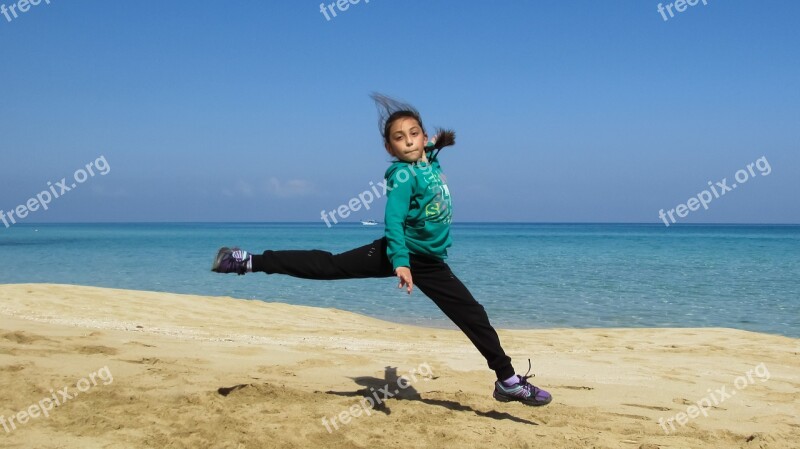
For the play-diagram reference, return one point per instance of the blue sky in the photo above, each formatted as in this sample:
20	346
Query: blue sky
580	111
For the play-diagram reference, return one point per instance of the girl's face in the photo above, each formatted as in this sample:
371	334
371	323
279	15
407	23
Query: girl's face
406	140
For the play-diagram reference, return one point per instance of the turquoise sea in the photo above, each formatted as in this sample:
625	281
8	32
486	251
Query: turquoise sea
526	275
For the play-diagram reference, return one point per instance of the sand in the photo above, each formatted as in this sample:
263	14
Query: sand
179	371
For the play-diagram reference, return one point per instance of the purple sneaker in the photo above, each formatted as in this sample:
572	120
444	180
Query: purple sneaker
522	391
231	260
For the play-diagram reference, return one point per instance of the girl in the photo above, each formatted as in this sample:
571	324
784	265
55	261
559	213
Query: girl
417	235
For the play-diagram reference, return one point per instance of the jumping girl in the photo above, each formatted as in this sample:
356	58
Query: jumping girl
414	247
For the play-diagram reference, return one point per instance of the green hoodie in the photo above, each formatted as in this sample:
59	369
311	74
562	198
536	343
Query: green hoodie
418	212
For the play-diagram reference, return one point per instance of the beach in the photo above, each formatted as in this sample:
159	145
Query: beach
137	369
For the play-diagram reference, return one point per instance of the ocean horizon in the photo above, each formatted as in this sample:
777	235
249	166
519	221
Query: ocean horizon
527	275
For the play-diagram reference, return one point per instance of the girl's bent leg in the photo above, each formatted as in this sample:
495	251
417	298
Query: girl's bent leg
365	262
435	279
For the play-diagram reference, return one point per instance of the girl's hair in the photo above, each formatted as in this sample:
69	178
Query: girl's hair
390	110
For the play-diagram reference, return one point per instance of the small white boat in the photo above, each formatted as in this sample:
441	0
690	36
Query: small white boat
369	223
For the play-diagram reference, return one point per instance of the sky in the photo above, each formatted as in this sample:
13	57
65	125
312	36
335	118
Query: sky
579	111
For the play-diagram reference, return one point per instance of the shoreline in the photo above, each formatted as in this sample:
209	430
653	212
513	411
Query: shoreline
435	324
192	370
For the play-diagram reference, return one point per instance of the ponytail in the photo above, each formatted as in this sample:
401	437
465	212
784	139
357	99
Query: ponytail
443	138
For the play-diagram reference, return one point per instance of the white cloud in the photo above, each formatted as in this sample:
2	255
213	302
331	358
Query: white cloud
240	189
273	188
290	188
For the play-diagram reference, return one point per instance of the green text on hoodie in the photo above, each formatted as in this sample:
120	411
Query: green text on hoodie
418	211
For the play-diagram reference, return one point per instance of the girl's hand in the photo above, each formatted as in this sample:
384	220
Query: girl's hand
404	273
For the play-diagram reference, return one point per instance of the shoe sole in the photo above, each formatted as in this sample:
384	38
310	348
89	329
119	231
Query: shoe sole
217	260
503	398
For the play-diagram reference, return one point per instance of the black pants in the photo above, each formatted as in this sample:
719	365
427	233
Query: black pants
432	276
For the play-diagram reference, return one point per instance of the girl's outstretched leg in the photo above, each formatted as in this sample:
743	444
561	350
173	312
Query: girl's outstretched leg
437	281
368	261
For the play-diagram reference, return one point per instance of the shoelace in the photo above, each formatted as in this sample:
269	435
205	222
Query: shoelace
524	380
238	255
239	261
527	376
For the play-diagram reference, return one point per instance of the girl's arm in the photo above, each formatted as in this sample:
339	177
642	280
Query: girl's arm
398	202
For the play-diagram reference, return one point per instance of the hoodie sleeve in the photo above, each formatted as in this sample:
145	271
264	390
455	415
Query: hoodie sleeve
398	202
